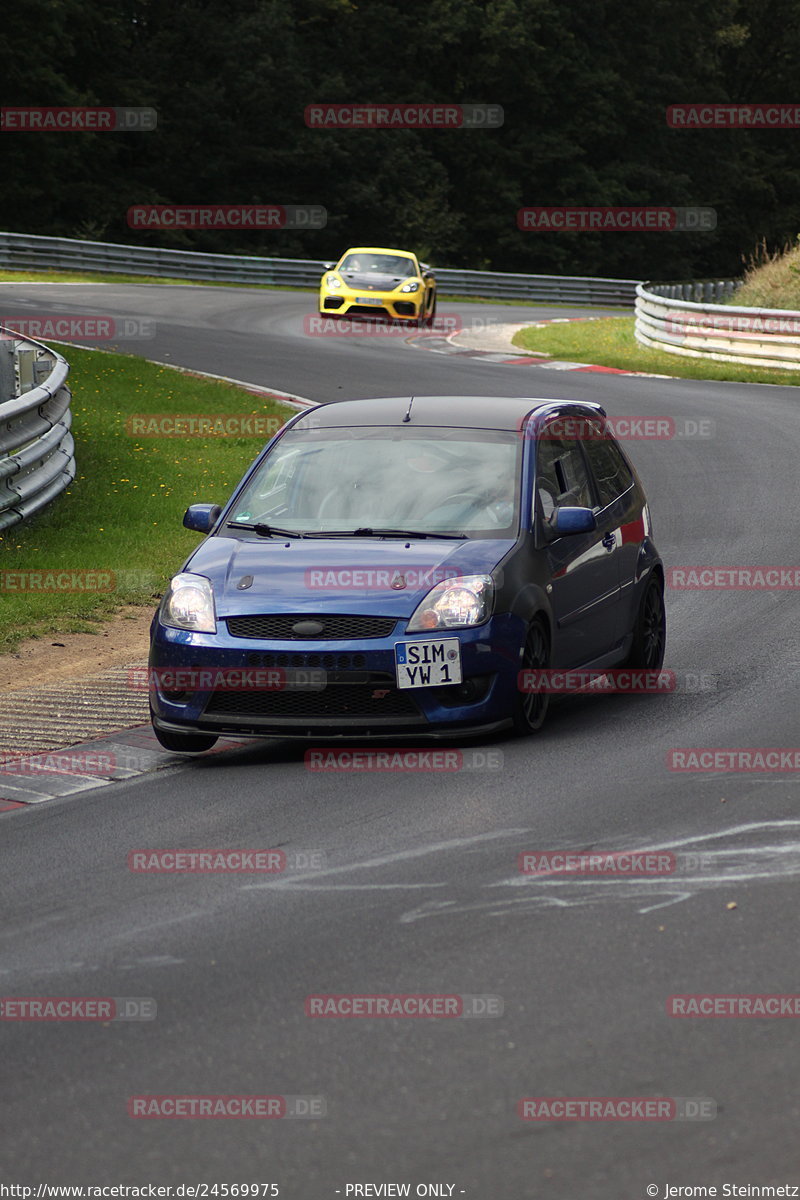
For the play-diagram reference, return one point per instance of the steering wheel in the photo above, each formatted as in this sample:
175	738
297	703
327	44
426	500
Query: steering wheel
325	501
475	501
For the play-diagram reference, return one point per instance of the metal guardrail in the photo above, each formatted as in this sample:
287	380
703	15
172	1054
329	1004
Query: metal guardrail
21	250
666	319
37	453
696	291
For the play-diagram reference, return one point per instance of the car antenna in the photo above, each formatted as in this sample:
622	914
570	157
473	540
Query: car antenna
407	417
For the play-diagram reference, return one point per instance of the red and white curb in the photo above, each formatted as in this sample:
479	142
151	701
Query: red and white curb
444	344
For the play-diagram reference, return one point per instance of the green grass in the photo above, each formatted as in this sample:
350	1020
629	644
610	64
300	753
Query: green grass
771	281
609	342
23	276
523	303
122	515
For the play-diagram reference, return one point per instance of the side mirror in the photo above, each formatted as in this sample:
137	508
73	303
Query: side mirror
201	517
564	521
329	266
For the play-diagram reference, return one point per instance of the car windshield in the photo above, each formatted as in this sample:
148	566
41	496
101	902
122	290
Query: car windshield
447	481
379	264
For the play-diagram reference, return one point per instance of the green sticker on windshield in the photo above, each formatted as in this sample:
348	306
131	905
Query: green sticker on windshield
245	515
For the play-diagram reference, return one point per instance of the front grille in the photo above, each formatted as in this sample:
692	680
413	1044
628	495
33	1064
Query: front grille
368	310
278	628
327	662
337	700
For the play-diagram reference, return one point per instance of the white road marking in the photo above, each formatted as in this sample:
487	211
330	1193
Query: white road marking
386	859
748	864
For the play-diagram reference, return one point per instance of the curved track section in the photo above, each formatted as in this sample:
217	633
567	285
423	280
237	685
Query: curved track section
419	891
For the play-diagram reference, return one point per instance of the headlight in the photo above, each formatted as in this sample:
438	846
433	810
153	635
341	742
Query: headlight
333	282
189	604
455	604
410	287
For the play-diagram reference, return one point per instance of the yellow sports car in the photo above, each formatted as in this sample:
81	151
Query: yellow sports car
375	282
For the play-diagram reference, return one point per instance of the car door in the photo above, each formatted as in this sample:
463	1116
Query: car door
583	568
619	508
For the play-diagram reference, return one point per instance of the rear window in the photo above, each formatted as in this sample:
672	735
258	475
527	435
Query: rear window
611	473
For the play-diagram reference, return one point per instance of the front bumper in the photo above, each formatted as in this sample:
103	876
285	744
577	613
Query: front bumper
359	698
344	302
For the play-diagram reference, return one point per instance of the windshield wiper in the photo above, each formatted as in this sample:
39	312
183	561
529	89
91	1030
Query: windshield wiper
267	530
275	531
405	533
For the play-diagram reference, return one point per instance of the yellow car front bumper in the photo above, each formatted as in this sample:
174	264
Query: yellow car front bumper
396	305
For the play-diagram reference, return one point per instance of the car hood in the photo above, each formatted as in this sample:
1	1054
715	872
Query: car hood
352	575
371	281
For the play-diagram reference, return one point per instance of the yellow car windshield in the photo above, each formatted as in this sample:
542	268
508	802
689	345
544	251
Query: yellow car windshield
378	264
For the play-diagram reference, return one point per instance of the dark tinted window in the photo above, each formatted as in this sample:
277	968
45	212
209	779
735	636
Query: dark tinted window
611	472
561	474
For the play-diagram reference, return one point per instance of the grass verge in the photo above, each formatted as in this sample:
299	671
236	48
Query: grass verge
120	521
771	280
609	342
9	276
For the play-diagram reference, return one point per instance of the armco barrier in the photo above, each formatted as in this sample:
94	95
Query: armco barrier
678	318
37	453
21	250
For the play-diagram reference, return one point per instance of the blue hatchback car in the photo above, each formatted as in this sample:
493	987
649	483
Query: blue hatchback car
389	567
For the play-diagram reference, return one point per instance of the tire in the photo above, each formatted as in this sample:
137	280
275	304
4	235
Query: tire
530	708
432	313
185	743
650	630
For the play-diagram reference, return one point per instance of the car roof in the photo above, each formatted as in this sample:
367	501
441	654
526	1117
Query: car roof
377	250
469	412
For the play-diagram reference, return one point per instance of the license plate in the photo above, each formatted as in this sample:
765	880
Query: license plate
369	300
312	680
429	662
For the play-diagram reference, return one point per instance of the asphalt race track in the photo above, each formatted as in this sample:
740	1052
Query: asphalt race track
420	891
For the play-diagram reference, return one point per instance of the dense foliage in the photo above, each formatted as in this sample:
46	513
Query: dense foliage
585	85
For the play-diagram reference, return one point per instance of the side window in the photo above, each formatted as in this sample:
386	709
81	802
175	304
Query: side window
611	472
561	478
